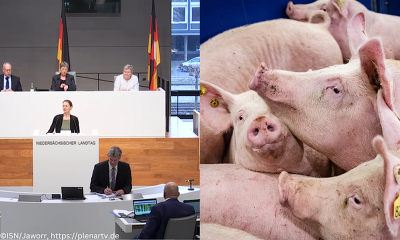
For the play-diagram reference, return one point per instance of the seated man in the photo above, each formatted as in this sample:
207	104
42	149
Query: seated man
126	81
163	211
8	82
112	175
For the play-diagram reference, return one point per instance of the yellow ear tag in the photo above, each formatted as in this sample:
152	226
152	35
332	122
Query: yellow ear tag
397	208
396	173
340	3
203	90
214	103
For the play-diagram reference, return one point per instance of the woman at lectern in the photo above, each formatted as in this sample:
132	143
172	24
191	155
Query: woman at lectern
65	121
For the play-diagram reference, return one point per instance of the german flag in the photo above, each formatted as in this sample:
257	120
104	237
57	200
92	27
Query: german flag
154	51
63	48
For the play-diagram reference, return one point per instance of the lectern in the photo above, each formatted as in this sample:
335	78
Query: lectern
63	160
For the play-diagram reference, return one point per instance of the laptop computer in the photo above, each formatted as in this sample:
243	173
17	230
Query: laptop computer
196	205
72	193
142	209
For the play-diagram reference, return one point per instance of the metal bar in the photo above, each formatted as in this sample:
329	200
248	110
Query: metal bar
98	82
168	102
374	6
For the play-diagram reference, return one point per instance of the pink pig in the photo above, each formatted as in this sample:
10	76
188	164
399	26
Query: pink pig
335	108
356	205
238	198
260	141
212	231
340	13
228	61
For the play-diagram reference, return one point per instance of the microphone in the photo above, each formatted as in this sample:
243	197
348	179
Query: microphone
136	84
190	181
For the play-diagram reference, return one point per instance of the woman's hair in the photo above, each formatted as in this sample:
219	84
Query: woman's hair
64	64
128	66
69	102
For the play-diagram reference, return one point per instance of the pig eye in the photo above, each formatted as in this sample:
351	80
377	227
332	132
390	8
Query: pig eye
356	201
324	9
336	90
240	118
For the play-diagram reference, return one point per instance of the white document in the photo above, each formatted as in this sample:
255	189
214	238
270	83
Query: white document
125	213
102	195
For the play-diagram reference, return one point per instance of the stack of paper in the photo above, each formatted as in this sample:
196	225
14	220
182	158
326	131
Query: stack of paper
117	213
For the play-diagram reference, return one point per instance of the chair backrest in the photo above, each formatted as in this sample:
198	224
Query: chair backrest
180	228
70	73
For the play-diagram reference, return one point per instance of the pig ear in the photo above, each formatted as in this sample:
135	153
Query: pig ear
390	123
320	17
392	188
342	6
214	106
372	61
356	33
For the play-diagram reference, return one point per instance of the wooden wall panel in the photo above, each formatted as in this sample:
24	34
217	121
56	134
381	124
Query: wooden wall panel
157	160
152	160
16	162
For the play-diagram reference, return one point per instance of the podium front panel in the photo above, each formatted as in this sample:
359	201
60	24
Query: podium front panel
63	161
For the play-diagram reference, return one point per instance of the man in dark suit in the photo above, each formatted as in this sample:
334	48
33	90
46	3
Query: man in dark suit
163	211
112	175
8	82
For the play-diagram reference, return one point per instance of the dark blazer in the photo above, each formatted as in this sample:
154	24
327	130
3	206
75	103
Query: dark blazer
56	82
101	177
159	216
57	123
15	83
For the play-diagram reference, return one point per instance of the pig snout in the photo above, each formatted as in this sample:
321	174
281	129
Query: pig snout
296	196
290	9
297	12
263	131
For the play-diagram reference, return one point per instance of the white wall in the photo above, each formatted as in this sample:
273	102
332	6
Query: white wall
113	114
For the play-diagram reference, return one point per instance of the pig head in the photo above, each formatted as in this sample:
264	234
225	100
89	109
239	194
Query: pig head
260	141
340	12
333	110
356	205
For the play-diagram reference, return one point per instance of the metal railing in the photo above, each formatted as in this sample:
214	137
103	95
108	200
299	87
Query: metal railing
166	85
162	83
98	79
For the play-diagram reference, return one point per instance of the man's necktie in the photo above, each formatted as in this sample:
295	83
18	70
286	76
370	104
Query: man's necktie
7	83
113	179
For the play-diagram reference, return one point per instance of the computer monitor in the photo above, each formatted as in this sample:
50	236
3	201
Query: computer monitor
143	207
195	203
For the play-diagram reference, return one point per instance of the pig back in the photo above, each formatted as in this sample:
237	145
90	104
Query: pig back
239	198
230	59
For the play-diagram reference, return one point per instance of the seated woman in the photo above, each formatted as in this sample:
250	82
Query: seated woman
65	121
63	81
126	81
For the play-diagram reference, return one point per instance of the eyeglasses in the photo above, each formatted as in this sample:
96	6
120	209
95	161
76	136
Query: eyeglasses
7	70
